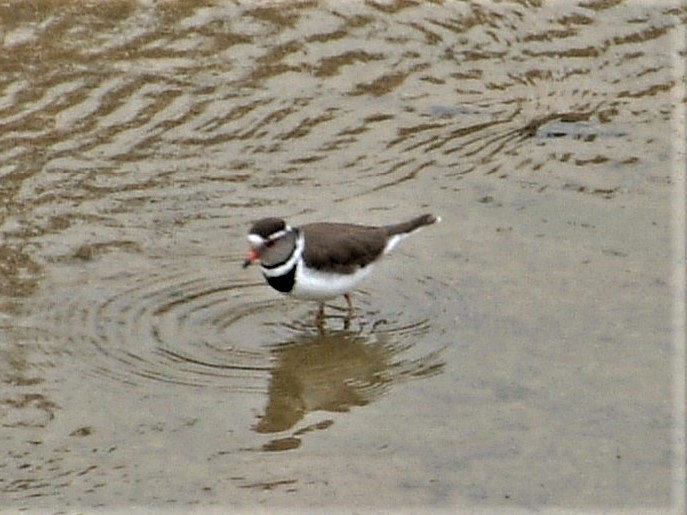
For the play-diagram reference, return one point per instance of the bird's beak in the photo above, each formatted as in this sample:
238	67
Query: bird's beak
253	255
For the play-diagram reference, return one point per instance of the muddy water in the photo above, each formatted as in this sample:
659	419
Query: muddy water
518	355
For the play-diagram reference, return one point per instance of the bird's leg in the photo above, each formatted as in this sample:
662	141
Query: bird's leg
351	310
349	301
319	317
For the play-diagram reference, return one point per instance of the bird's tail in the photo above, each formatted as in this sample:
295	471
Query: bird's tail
411	225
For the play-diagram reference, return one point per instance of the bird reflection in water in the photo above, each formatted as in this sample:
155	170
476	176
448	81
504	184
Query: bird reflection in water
332	372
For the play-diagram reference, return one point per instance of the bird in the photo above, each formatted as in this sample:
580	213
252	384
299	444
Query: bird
321	261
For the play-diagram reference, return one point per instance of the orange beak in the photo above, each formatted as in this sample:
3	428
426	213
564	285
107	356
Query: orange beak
253	255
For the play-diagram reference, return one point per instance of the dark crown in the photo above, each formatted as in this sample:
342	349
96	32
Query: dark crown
267	226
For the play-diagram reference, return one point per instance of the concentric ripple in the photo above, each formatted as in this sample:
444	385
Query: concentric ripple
192	326
170	326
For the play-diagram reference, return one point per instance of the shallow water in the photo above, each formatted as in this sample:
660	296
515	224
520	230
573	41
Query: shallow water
517	355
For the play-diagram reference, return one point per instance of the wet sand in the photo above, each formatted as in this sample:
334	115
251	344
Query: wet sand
521	355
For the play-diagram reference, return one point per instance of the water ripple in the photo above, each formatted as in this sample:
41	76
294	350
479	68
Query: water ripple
165	326
174	325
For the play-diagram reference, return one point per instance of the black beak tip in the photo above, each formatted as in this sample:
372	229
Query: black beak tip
246	263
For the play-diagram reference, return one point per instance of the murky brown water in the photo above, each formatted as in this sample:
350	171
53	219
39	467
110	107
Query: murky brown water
518	355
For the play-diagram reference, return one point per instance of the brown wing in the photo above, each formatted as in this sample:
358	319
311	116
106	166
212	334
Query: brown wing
342	248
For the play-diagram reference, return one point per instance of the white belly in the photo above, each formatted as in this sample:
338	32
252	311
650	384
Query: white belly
315	285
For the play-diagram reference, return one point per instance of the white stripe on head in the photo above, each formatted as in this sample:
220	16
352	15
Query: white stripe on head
255	240
280	234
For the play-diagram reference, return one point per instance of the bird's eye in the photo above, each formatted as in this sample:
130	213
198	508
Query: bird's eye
269	243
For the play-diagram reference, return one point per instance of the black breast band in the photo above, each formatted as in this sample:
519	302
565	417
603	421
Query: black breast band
283	283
